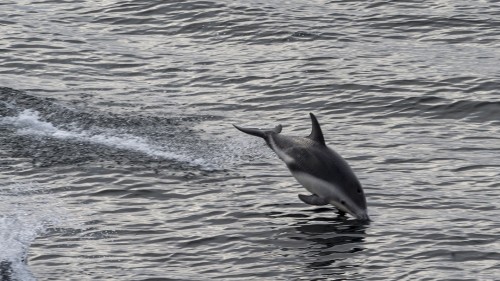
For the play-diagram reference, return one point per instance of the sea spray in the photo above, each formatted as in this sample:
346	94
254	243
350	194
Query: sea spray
29	122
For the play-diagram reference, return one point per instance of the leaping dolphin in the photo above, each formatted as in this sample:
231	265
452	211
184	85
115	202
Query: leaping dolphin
322	171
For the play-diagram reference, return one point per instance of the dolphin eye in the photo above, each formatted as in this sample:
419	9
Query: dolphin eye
342	202
359	190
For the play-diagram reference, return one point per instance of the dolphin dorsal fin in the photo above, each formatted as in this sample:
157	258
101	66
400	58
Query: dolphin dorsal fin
316	133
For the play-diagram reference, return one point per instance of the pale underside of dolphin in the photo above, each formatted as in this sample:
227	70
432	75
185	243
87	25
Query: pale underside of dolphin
323	172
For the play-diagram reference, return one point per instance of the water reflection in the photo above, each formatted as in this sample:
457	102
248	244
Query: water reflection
328	241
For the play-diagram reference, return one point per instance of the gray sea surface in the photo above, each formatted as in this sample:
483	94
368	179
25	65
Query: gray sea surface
118	159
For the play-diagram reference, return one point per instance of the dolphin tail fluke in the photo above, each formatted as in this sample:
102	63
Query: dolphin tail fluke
258	132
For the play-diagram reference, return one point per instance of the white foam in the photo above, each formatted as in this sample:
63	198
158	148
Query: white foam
25	213
29	122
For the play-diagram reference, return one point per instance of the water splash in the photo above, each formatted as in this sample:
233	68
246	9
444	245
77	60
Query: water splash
26	213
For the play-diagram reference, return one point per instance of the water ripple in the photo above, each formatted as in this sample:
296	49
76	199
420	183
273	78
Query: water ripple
122	111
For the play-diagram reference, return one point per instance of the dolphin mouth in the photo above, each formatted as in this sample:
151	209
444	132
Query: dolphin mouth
360	214
363	216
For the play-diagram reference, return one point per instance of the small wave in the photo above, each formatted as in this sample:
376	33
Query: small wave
479	111
441	108
28	122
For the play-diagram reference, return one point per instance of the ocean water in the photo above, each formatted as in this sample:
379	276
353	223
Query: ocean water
118	159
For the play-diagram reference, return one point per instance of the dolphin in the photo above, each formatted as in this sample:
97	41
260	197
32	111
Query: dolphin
322	171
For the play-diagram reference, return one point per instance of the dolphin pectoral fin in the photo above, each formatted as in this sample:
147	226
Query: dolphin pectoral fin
313	200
